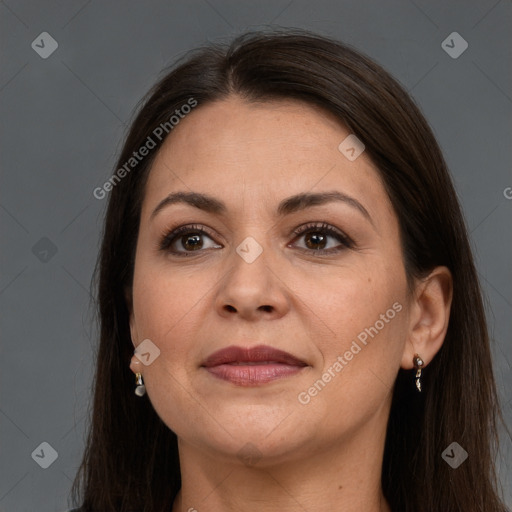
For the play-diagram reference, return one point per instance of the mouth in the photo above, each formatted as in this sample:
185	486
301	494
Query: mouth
252	366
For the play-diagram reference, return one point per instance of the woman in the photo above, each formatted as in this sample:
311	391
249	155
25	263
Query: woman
286	272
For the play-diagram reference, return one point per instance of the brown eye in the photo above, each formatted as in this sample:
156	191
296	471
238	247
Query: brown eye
315	240
191	242
187	239
322	239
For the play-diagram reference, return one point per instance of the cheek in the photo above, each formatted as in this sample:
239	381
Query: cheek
353	298
165	311
364	313
164	296
164	305
355	379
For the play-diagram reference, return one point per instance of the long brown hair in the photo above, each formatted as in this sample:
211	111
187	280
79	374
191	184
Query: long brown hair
131	459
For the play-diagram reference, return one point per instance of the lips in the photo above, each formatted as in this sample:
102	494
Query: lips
252	366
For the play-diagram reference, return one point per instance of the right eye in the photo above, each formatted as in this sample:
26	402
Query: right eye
187	239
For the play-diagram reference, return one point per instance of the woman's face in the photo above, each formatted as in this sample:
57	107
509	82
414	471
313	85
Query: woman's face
268	259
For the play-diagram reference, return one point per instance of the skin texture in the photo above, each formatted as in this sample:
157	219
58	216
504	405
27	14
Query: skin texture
325	454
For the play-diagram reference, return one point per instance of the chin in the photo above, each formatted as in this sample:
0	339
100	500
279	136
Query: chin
267	442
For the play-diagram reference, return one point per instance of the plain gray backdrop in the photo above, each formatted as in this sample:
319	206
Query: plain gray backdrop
63	118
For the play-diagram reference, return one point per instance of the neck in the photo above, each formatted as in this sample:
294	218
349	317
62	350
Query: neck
344	476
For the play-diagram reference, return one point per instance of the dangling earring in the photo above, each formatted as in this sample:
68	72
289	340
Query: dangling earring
140	389
418	364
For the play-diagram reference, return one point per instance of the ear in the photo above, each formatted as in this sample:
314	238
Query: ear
429	316
135	365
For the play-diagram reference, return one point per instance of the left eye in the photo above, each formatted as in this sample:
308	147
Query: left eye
322	239
188	239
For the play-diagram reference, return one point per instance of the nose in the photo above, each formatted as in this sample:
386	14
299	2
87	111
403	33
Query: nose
252	290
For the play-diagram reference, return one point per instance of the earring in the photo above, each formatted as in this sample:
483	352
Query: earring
140	389
418	364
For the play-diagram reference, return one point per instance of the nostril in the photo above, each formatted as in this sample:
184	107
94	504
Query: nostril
266	308
230	308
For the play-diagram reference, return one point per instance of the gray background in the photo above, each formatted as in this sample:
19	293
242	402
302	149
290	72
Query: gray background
63	119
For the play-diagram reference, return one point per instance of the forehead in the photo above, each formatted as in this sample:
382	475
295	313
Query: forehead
266	149
246	129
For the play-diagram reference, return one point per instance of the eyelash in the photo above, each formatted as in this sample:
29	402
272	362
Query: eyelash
324	228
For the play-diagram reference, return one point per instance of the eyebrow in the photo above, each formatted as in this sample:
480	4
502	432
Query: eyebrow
201	201
286	207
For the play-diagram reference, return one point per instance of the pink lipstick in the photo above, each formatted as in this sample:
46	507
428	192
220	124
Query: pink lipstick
252	366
